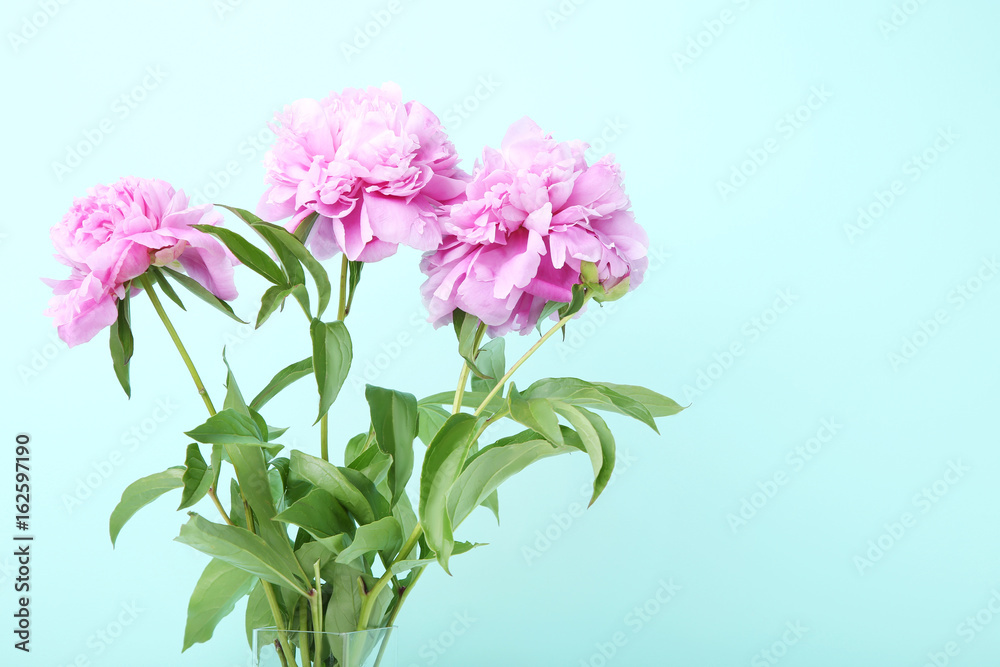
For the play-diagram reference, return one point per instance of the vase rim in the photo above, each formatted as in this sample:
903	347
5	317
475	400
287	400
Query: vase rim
273	628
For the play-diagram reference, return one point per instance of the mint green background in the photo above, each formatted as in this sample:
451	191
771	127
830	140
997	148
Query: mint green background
723	263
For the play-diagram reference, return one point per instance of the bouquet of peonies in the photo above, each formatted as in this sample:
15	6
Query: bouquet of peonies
534	234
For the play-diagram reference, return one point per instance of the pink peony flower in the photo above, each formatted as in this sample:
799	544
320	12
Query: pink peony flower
534	211
115	234
376	171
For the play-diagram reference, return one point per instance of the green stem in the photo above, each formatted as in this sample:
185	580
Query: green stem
279	622
304	634
517	364
324	438
317	612
324	424
218	506
404	552
342	309
463	378
148	286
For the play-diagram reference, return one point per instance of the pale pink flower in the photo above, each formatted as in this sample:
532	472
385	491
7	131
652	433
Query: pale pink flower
534	211
376	172
114	235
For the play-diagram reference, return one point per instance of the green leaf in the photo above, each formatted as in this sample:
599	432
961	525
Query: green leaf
399	567
234	397
215	596
355	446
469	330
492	363
282	379
374	464
590	394
166	287
196	478
443	462
228	427
332	356
291	251
353	279
580	296
302	231
657	404
352	489
277	487
310	552
122	344
196	288
430	419
216	465
384	535
596	440
258	613
242	549
272	299
142	492
537	414
255	487
319	513
301	295
248	254
394	418
550	307
344	607
490	467
237	513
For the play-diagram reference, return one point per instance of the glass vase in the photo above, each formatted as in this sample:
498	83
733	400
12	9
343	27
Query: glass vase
367	648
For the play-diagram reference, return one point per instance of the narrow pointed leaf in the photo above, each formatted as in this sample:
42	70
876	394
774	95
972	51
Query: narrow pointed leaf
469	333
122	345
248	254
353	279
319	513
282	379
394	418
272	299
490	467
442	464
215	596
241	549
536	414
142	492
384	535
657	404
597	440
492	363
196	477
351	488
430	419
199	291
332	356
288	247
593	395
228	427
